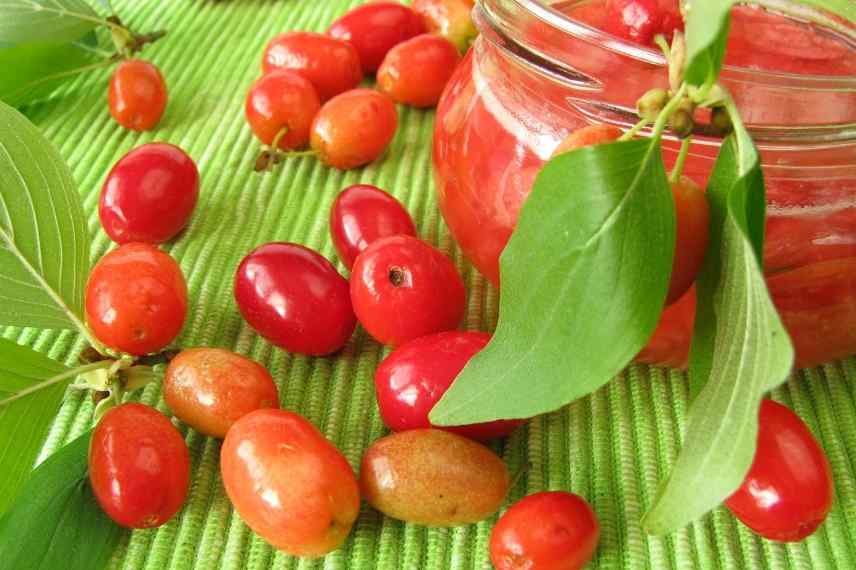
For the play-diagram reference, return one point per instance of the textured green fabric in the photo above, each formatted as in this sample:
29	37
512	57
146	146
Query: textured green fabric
611	448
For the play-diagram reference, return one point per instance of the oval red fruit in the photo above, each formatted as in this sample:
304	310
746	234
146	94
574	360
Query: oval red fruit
402	288
415	72
416	375
139	466
149	194
137	95
282	103
363	214
295	298
136	299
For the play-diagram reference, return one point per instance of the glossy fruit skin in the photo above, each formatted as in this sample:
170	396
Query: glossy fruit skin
282	99
375	28
136	299
149	194
641	20
433	477
137	95
210	389
788	491
692	215
588	136
139	466
295	298
551	530
448	18
361	215
415	72
402	289
330	64
354	128
289	483
416	375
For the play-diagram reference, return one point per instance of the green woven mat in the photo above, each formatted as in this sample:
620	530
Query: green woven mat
611	448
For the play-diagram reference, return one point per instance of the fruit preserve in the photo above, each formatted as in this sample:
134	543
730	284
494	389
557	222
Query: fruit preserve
541	70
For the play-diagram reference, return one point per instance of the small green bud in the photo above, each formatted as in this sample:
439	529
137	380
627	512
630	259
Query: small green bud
681	122
652	103
720	121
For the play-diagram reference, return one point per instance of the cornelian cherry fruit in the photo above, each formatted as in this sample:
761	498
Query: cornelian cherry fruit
137	95
416	71
136	299
691	235
551	530
375	28
295	298
402	288
361	215
288	483
354	128
210	389
149	194
588	136
416	375
641	20
280	107
331	65
788	491
139	466
448	18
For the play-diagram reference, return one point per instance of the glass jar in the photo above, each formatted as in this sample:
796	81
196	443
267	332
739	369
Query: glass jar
536	74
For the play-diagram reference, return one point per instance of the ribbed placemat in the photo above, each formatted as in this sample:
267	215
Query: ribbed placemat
611	448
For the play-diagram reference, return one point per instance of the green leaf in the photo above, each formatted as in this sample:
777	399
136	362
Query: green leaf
707	26
35	70
740	348
584	278
708	21
56	521
24	423
44	243
24	21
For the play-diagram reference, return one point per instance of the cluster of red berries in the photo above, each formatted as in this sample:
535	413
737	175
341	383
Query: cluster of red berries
287	481
309	94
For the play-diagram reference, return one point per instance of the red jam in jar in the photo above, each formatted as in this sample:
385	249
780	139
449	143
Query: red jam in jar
541	70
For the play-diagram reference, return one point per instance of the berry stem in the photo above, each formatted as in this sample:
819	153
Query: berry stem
58	378
668	111
678	169
634	130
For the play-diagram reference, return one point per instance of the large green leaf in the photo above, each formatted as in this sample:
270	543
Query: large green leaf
584	278
740	348
25	21
56	521
24	423
34	70
44	244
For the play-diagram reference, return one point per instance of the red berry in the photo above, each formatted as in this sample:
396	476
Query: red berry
691	234
416	375
588	136
137	95
289	483
788	491
415	72
149	194
330	64
354	128
376	28
363	214
402	288
551	530
635	20
139	466
210	389
295	298
136	299
448	18
282	100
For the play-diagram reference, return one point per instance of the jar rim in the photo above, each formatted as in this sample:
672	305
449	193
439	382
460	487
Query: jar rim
546	13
